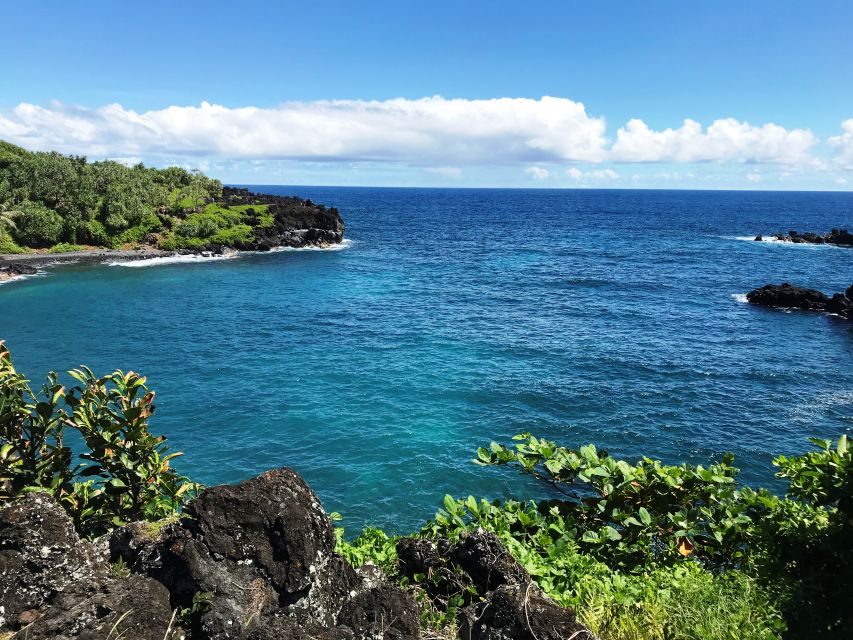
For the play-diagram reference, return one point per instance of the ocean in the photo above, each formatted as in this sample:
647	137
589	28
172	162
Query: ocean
454	317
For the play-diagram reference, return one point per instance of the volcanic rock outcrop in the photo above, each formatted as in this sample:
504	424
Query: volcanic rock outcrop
254	560
788	296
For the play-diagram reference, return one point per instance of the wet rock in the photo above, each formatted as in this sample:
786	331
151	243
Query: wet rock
838	237
788	296
14	269
519	612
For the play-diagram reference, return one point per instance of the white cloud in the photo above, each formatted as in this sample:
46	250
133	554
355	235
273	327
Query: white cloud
843	145
596	174
841	181
429	131
753	176
447	172
726	140
537	173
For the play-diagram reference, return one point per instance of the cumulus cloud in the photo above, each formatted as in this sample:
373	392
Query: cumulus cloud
843	145
595	174
537	173
726	140
428	131
440	135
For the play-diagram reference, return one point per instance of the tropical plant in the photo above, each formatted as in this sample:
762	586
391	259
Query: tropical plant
127	473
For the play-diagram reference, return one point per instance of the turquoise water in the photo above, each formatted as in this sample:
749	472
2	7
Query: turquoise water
456	317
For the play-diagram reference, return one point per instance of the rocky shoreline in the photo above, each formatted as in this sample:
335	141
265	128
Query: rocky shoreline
837	237
255	560
788	296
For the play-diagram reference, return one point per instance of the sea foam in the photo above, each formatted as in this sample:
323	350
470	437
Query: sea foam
162	260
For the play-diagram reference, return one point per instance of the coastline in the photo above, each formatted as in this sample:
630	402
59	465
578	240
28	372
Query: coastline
17	266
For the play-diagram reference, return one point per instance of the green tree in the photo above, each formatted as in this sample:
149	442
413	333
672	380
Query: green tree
37	226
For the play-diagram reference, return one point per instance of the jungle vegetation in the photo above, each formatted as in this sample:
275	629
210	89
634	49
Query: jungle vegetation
55	202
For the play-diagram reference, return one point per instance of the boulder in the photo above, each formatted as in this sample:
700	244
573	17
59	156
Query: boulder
263	553
519	612
41	555
507	604
55	585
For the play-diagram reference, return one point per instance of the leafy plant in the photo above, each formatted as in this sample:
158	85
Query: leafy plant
127	474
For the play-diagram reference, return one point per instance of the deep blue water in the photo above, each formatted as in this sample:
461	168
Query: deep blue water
461	316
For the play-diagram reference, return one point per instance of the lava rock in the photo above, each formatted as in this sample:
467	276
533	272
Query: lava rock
519	612
263	553
838	237
41	555
55	585
788	296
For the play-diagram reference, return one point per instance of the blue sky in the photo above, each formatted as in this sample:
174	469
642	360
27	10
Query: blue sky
99	77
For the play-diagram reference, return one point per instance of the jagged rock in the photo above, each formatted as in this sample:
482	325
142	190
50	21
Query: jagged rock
40	556
134	608
838	237
788	296
57	586
264	551
14	269
486	560
510	606
296	222
519	612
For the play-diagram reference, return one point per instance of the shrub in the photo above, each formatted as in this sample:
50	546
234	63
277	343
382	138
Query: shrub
65	247
198	225
37	226
7	245
128	474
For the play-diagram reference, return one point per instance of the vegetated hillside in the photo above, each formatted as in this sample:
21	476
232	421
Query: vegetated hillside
65	203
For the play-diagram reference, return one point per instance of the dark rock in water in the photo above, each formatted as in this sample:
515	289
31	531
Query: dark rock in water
839	237
15	269
264	550
849	292
788	296
519	612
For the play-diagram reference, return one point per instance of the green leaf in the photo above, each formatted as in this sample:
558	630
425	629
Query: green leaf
645	516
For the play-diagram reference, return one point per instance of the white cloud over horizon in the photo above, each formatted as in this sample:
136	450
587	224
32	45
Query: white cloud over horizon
443	137
843	146
726	140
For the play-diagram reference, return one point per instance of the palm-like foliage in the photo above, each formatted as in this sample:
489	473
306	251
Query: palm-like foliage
7	218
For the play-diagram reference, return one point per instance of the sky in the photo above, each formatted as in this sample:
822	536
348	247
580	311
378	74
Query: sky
610	94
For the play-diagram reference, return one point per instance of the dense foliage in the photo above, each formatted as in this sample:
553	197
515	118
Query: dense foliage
641	551
655	551
49	198
124	473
